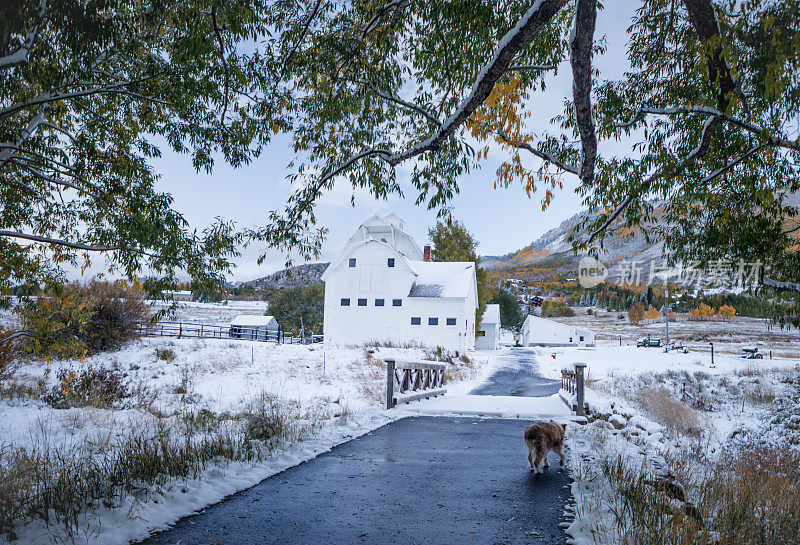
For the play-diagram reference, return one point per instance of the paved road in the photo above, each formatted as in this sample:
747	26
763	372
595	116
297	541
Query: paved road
520	378
417	480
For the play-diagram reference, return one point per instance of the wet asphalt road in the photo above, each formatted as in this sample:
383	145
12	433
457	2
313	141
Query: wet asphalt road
417	480
520	378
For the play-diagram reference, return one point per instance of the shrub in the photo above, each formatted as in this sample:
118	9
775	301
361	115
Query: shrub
166	354
636	313
264	419
10	350
669	412
75	320
702	311
556	308
91	387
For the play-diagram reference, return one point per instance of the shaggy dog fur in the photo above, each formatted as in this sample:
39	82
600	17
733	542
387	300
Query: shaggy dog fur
541	437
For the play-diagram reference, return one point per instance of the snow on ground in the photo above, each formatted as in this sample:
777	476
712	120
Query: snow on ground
651	408
340	389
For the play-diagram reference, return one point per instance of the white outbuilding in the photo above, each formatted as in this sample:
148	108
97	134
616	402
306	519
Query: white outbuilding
254	327
538	331
488	336
382	287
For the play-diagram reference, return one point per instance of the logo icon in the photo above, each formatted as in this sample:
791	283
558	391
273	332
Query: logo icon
591	272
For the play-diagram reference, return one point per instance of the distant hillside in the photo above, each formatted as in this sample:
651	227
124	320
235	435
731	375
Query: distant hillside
551	255
299	275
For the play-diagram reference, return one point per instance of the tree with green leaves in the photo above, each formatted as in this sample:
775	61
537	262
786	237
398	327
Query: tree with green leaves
90	92
704	119
298	308
511	316
451	241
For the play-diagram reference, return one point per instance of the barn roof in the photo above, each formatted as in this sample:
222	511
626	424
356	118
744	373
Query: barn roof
252	320
442	279
491	315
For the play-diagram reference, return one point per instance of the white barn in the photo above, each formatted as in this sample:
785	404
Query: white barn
538	331
488	337
382	287
254	327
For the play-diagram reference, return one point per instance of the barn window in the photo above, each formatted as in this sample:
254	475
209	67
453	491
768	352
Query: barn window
345	302
352	261
451	321
433	321
378	302
362	302
581	338
416	321
570	339
390	262
397	302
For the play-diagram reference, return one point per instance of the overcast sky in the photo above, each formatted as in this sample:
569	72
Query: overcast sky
502	219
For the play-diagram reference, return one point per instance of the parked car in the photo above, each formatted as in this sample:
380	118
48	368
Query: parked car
751	353
649	342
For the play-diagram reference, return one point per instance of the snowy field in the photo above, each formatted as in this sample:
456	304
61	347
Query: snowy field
673	439
325	396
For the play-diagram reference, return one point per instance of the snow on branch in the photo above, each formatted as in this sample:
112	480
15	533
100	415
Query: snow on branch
581	60
770	140
539	14
373	23
47	98
549	157
10	149
419	109
524	67
780	286
20	56
74	245
303	32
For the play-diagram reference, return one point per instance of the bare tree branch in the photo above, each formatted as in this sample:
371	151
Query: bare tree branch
410	105
549	157
29	129
525	67
372	23
20	56
512	43
581	60
777	141
303	33
224	62
74	245
704	21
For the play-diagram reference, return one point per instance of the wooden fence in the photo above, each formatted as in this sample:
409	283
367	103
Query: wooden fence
408	381
204	331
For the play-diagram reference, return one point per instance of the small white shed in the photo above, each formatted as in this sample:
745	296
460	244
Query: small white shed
488	337
538	331
254	327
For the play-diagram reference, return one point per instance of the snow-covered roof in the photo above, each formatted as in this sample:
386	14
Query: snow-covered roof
442	279
252	320
491	315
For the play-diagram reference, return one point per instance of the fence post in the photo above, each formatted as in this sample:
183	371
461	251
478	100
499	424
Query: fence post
180	329
389	384
579	367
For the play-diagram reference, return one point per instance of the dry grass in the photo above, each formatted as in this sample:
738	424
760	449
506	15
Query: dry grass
748	497
674	415
61	486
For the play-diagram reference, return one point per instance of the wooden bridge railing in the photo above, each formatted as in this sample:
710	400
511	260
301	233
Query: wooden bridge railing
573	388
408	381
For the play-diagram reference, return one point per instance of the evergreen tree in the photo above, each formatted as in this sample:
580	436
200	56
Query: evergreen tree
451	241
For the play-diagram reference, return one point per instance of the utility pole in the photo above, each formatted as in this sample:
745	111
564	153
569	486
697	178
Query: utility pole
666	310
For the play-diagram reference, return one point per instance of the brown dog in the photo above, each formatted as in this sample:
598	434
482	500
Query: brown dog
540	438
